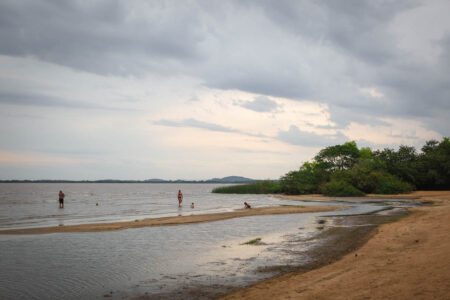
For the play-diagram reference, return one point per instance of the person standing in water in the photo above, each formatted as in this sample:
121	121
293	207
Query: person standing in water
61	196
180	198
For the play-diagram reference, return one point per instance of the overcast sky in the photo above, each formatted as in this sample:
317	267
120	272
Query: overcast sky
201	89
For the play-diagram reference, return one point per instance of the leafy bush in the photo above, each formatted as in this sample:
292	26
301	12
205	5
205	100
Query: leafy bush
257	187
340	188
389	184
364	175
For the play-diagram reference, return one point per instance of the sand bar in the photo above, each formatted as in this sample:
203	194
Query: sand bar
407	259
176	220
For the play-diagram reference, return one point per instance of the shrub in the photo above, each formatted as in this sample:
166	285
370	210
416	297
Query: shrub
340	188
389	184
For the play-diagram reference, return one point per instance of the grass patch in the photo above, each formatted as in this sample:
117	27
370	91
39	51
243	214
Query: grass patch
257	187
256	241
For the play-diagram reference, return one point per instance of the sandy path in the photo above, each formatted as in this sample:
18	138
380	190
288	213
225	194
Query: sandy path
408	259
277	210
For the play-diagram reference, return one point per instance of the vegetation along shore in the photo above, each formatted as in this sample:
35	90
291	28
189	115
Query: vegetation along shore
346	170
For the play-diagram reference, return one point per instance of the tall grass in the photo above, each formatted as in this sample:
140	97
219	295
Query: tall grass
257	187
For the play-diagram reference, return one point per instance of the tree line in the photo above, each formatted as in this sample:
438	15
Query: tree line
346	170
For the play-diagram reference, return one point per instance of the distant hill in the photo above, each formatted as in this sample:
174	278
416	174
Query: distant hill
231	179
155	180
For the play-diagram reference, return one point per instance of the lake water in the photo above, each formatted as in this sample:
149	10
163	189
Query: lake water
36	204
145	261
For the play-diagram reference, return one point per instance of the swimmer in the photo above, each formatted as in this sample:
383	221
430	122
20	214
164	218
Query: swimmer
192	205
247	205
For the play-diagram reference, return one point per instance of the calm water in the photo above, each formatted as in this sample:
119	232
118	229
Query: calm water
33	205
145	260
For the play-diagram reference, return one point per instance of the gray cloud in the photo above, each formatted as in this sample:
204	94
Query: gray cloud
320	50
259	104
103	37
298	137
194	124
38	100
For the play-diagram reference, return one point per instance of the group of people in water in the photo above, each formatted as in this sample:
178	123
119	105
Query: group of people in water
61	196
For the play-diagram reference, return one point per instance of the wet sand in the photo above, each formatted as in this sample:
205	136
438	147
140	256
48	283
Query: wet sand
177	220
407	259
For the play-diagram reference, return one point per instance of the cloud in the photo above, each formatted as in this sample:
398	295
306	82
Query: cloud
195	124
320	50
364	62
295	136
103	37
260	104
38	100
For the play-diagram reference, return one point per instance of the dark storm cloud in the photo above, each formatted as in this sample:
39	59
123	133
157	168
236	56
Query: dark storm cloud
325	51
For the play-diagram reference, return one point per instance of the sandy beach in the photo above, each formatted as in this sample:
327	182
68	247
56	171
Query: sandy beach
407	259
177	220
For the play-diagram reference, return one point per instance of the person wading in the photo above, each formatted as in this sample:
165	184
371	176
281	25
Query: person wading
180	198
61	196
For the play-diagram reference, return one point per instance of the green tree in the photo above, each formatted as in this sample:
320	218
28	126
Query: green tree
433	165
338	157
362	174
303	181
365	153
401	163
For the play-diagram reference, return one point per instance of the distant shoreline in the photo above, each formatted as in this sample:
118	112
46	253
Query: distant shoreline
115	181
175	220
224	180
